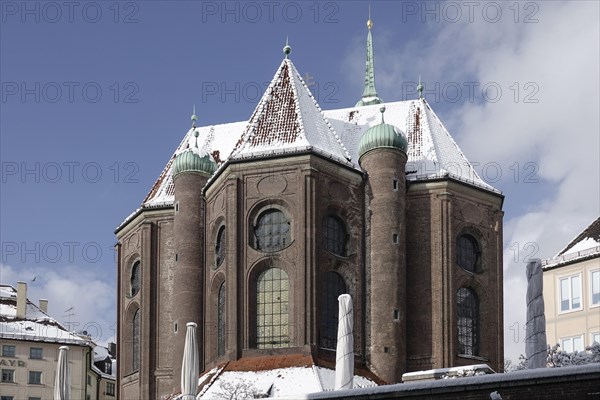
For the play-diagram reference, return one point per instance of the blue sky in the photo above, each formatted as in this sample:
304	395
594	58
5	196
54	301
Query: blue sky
95	97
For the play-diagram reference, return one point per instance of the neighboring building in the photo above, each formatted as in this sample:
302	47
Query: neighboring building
254	228
103	372
572	292
29	343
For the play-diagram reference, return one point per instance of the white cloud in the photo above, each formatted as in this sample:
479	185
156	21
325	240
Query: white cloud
90	295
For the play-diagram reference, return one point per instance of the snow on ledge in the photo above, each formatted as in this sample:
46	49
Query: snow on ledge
484	379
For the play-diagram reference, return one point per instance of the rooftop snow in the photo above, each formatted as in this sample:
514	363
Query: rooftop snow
288	120
37	325
590	237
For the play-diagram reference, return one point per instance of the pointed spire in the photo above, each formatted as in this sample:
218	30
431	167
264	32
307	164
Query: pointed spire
194	117
287	49
370	93
420	88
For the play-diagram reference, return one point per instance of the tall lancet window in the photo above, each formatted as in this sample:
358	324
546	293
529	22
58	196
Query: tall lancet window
221	321
336	236
135	364
220	246
135	278
333	286
468	322
272	309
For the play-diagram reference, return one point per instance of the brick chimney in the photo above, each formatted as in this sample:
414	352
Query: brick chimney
44	305
21	299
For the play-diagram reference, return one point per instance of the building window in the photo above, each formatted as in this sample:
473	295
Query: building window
272	231
570	293
595	338
333	286
595	287
8	375
272	309
468	253
8	350
135	364
89	380
36	353
34	398
336	237
108	367
571	344
220	246
468	322
35	377
110	389
135	278
7	398
221	321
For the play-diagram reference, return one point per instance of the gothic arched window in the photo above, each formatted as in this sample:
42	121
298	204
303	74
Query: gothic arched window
221	321
272	231
333	286
468	253
220	246
468	321
135	278
135	363
272	309
336	237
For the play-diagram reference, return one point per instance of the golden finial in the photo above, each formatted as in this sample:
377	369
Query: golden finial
369	21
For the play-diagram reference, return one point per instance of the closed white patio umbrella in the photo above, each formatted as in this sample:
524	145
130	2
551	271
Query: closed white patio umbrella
344	354
62	389
190	368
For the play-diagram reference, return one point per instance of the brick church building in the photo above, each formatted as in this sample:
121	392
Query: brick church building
254	228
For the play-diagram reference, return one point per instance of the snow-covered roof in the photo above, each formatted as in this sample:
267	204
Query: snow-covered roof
36	325
590	237
288	120
584	246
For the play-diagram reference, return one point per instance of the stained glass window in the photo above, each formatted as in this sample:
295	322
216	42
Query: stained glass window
135	278
468	253
468	322
220	246
221	321
272	231
135	364
272	309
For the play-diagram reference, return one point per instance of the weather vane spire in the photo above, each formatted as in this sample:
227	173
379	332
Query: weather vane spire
194	117
420	88
287	49
369	93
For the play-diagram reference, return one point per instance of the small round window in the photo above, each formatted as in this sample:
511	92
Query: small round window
220	246
468	253
272	231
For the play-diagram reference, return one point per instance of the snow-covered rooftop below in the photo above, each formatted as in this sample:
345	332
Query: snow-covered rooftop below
37	325
583	246
589	238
